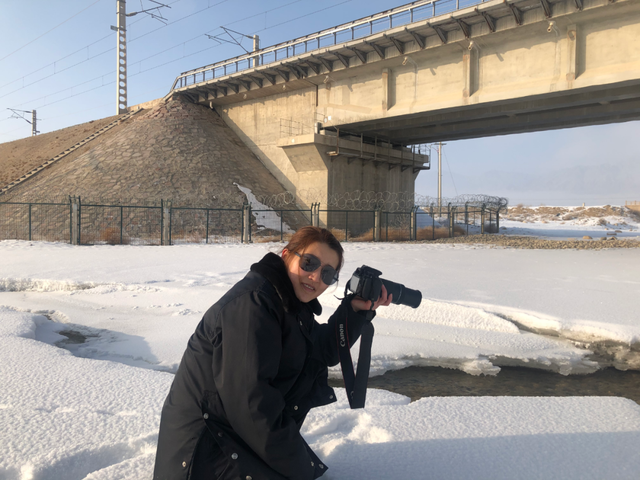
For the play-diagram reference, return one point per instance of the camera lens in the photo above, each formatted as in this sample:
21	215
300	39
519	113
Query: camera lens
402	295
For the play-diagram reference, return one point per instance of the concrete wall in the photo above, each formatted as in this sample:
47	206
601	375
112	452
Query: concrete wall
263	126
257	123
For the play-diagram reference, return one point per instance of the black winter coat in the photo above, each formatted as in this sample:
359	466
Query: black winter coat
255	366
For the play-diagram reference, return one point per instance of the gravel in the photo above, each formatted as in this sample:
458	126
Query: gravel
506	241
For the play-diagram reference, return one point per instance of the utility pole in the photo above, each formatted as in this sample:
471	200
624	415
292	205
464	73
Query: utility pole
256	47
121	30
121	85
440	145
221	38
33	122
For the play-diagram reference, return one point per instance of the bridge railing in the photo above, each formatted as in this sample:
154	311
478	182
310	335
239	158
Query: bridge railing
403	15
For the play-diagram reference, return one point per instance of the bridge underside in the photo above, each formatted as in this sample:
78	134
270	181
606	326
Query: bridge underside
499	67
592	106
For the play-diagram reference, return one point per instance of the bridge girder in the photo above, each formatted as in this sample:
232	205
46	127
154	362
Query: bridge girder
592	107
467	28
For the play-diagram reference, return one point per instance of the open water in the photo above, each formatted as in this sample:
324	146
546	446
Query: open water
419	382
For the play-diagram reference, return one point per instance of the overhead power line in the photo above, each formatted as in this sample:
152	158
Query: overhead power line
450	173
48	31
176	59
109	50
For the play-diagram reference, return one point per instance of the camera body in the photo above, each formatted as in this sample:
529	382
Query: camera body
367	284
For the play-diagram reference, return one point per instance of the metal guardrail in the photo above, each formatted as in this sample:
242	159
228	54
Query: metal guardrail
403	15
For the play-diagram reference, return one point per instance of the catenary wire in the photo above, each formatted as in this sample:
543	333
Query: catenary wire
450	174
109	50
166	63
48	31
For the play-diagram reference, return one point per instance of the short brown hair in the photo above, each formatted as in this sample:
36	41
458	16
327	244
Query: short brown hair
308	235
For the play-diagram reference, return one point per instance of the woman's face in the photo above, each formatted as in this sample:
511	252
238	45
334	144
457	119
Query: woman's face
309	285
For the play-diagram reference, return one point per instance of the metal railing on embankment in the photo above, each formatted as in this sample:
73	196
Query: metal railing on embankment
93	223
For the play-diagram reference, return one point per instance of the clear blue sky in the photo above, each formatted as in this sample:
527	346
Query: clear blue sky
60	59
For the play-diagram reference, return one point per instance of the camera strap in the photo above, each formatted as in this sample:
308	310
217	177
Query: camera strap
355	383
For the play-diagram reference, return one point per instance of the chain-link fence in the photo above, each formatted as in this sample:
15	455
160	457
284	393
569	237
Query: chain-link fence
90	223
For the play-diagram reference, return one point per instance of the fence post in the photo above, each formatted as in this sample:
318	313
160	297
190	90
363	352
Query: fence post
498	220
75	220
482	219
466	215
29	222
315	215
281	225
121	222
433	222
377	225
451	213
166	222
246	223
346	226
207	233
413	223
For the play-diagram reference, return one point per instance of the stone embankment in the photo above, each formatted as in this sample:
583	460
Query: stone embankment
506	241
20	156
175	151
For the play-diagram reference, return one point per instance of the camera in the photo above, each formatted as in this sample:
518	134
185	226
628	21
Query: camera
367	284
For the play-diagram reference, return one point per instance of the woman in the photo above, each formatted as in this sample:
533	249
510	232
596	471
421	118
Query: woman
255	366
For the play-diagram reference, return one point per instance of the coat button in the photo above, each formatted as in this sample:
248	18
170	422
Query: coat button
184	464
219	434
321	465
234	456
312	464
249	477
331	397
295	407
206	415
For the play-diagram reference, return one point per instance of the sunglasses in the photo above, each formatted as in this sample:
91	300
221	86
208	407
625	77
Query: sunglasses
310	263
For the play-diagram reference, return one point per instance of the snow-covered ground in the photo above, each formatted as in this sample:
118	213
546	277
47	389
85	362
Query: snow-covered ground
91	410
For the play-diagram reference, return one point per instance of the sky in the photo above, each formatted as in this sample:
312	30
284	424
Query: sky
59	58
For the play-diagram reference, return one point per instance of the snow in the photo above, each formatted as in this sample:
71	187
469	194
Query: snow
91	410
264	215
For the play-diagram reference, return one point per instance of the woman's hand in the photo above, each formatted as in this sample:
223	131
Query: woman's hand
360	304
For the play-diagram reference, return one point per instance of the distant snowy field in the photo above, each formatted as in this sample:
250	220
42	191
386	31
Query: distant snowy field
570	222
125	313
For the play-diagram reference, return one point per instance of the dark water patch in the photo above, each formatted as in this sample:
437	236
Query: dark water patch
74	337
419	382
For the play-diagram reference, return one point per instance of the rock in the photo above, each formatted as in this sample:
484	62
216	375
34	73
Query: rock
587	237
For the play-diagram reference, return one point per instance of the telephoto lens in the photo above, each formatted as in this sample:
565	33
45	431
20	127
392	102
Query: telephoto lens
402	295
367	284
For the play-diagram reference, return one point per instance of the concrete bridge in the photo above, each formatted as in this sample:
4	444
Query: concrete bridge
340	109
